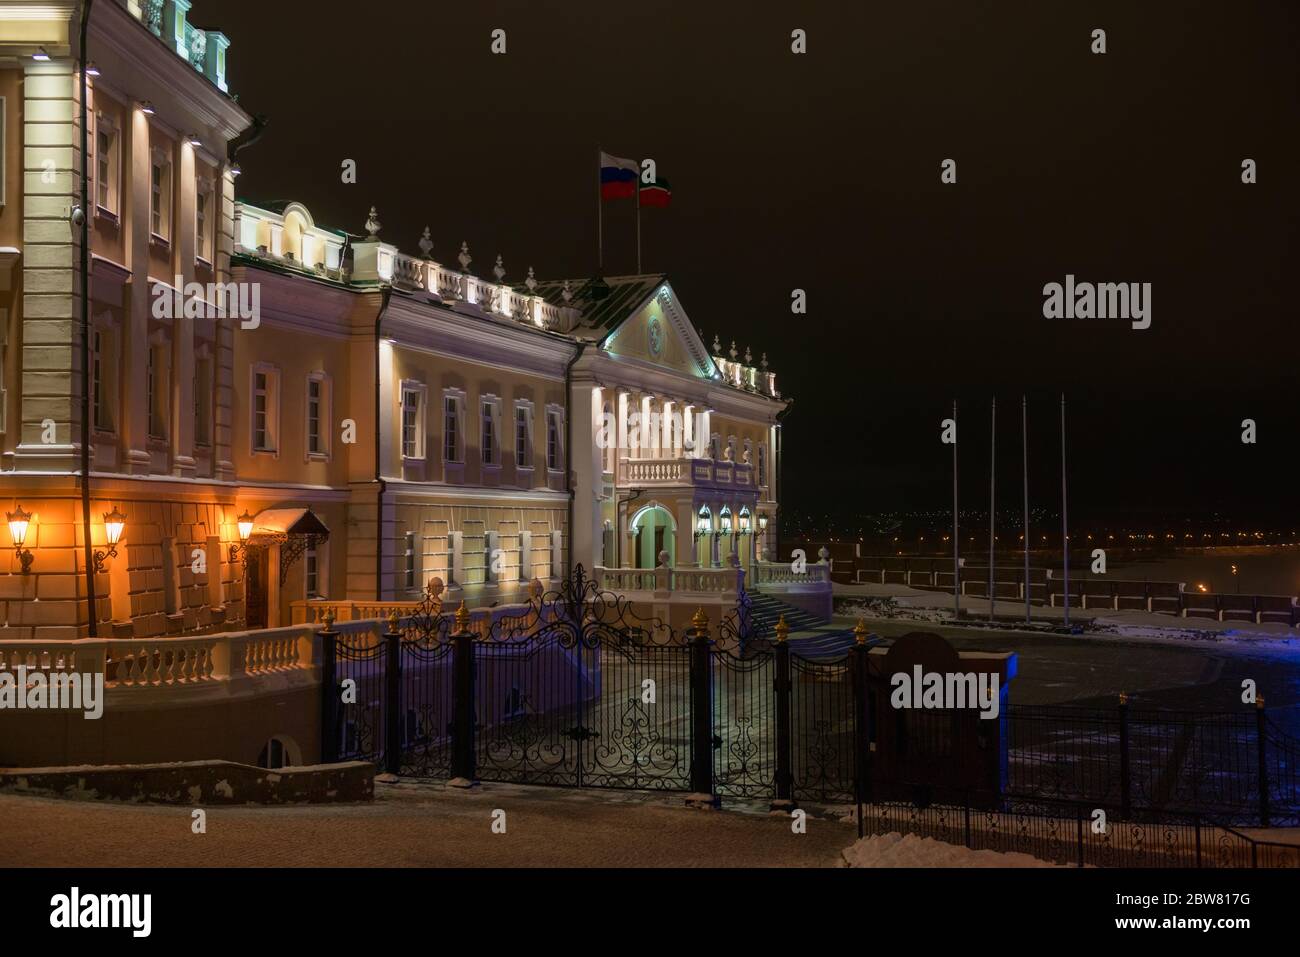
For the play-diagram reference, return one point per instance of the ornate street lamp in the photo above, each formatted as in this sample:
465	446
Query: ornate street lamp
114	526
245	525
744	521
702	525
18	525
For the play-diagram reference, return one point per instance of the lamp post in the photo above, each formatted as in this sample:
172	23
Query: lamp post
19	521
114	526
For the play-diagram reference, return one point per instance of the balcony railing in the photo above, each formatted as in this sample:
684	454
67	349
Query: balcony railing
783	573
684	471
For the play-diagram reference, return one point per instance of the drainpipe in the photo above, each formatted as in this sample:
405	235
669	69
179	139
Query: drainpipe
568	444
379	424
92	605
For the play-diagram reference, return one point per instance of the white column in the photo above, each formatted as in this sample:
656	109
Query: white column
584	537
624	404
686	557
688	432
667	441
643	431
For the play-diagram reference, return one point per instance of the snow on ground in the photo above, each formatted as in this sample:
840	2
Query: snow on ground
897	850
915	604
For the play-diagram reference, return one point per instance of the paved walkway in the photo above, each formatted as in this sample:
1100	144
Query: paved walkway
425	825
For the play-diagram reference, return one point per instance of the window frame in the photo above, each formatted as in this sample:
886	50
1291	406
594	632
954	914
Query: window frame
489	417
419	449
271	412
204	189
324	416
160	161
528	464
110	180
457	432
555	420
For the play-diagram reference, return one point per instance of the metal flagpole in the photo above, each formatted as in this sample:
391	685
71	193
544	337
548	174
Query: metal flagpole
638	224
1024	454
956	562
1065	524
600	219
993	473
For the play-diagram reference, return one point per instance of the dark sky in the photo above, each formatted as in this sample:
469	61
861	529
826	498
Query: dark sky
821	172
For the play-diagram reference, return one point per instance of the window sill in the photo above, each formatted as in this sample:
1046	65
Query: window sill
107	215
320	457
160	241
202	263
273	453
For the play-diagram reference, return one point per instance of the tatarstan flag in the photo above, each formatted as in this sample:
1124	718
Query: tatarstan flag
658	193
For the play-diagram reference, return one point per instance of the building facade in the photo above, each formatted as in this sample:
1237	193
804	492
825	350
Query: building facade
276	411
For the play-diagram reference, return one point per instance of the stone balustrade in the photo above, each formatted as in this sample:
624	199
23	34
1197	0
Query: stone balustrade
783	573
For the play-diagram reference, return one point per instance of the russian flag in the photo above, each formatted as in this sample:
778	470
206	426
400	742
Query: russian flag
618	177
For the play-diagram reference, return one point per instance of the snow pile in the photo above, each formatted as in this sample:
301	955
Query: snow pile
897	850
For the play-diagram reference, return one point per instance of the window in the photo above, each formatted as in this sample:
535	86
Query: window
156	391
265	408
313	569
160	196
97	378
713	447
451	428
412	420
202	197
762	465
489	432
553	440
106	142
203	401
318	415
523	437
410	559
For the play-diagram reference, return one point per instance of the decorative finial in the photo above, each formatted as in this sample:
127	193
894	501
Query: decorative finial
749	357
464	257
426	243
782	629
393	621
1123	698
566	293
462	619
499	270
763	362
732	350
531	281
535	589
328	618
860	632
372	223
717	345
699	621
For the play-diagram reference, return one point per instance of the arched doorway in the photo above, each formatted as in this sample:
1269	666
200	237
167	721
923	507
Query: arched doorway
653	531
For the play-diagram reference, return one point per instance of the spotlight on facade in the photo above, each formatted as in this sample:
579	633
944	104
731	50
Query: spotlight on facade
19	522
114	526
234	169
194	139
146	108
41	55
91	69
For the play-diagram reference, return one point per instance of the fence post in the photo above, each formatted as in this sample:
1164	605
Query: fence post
701	713
464	713
784	690
329	686
1261	724
393	697
861	721
1124	780
1078	827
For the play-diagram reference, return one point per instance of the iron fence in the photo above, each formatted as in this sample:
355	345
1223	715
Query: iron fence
580	691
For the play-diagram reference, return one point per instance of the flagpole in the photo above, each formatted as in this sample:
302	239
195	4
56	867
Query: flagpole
1024	453
600	220
956	562
638	225
993	478
1065	523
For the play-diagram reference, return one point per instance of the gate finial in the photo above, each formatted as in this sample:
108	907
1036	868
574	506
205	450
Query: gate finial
462	618
782	629
699	620
392	622
328	618
860	632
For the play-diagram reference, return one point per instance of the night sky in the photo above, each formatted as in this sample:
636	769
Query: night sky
821	172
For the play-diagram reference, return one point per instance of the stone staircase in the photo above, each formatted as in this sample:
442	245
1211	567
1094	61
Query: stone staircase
810	636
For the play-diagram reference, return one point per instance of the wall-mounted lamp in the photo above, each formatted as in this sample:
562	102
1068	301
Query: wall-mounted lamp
114	526
726	523
762	521
744	523
19	522
245	525
701	527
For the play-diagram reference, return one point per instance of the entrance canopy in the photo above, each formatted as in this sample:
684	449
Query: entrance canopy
294	529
